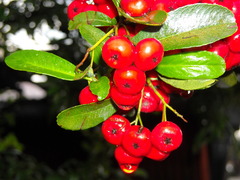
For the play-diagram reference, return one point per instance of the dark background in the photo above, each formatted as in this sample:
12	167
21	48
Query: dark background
32	146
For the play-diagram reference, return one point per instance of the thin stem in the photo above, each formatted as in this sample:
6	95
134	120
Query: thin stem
163	101
164	113
93	47
138	115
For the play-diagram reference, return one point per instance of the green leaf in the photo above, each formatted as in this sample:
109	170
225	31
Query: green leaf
192	65
42	63
190	84
93	18
192	26
92	35
100	87
152	18
85	116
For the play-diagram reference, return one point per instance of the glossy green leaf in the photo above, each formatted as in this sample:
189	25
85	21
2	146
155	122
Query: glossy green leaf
85	116
42	63
190	84
152	18
93	18
100	87
192	65
191	26
92	35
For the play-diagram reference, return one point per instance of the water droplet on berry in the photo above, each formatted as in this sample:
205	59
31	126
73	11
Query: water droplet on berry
128	168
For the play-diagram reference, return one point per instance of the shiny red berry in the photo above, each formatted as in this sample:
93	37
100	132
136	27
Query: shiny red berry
101	1
234	42
157	155
90	7
74	8
118	52
232	60
149	53
123	157
149	100
114	128
109	9
166	136
122	100
86	96
220	48
129	80
136	141
135	7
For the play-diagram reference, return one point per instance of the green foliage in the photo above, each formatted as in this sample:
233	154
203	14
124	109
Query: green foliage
92	38
85	116
92	18
188	26
100	87
189	84
191	26
41	62
192	65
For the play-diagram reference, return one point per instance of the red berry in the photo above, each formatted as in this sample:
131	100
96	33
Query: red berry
114	128
126	31
90	7
108	9
234	42
101	2
168	5
236	10
123	157
149	52
129	80
161	85
124	101
135	7
74	8
166	98
149	101
166	136
152	75
157	155
171	52
220	48
127	162
86	96
118	52
232	60
136	141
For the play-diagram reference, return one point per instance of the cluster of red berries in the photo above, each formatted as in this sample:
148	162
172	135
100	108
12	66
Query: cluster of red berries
130	64
133	142
104	6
